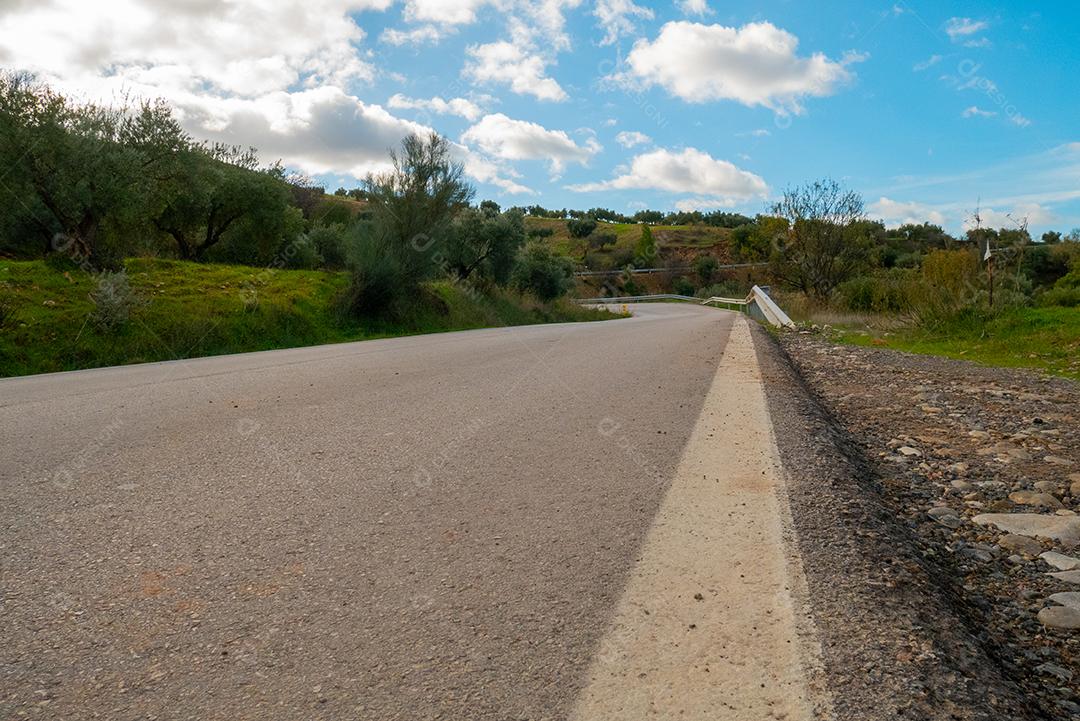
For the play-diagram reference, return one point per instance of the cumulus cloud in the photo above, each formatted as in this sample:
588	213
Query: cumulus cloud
244	47
895	213
630	138
1031	213
755	65
689	171
616	17
976	112
455	106
509	139
508	64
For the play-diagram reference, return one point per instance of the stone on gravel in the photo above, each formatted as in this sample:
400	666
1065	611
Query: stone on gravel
1031	498
946	516
1021	544
909	451
1060	617
1035	525
1067	598
1066	576
1057	460
1060	561
979	435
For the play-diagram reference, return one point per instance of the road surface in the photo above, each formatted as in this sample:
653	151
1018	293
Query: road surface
461	526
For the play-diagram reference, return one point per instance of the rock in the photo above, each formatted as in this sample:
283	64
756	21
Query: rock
1031	498
1052	670
1021	544
1045	486
1067	598
961	485
909	451
1060	617
1060	561
962	468
1057	460
1067	576
945	516
1035	525
979	435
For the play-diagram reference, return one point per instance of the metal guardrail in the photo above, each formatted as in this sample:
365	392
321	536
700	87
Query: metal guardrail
757	304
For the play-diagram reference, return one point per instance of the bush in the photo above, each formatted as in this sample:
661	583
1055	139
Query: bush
378	285
113	300
705	266
884	293
540	233
682	286
599	241
724	289
301	254
543	273
330	243
1064	297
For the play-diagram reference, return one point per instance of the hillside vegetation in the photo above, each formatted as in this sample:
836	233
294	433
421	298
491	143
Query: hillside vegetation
52	317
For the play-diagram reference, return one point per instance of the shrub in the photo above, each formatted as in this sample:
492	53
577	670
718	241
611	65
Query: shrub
378	284
113	300
540	232
724	289
599	241
682	286
705	267
883	293
645	250
543	273
330	242
301	254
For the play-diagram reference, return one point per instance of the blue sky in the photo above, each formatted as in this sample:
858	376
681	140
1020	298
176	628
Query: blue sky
928	109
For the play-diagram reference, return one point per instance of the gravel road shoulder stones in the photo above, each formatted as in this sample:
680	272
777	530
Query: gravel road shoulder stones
901	636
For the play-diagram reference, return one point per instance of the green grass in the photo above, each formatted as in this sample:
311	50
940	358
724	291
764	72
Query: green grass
190	309
1047	339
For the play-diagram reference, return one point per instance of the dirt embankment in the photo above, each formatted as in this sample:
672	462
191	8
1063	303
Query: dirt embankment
926	607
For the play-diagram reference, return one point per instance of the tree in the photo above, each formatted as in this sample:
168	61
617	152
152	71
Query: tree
543	273
581	227
219	187
824	244
645	251
485	241
77	168
412	207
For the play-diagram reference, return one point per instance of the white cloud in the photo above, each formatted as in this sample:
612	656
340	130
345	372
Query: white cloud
754	65
1033	213
455	106
928	63
416	36
504	62
895	213
630	138
689	171
452	12
694	7
616	17
509	139
975	112
244	47
960	28
689	205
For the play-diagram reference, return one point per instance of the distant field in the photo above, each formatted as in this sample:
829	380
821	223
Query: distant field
678	241
188	310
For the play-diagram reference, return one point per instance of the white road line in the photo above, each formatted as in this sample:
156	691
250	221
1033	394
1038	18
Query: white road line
709	626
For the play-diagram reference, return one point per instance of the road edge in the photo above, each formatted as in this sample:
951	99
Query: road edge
893	644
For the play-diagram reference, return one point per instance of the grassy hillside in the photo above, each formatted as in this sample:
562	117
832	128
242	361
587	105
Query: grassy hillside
187	310
680	242
1044	338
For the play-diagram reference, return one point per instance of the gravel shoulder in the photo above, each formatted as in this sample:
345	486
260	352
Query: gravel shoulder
902	635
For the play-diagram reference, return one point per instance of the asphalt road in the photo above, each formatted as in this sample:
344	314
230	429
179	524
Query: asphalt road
418	528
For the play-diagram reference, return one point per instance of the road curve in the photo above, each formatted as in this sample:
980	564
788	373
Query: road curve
418	528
